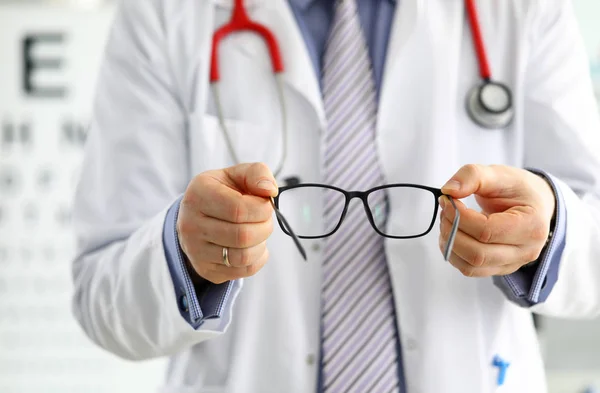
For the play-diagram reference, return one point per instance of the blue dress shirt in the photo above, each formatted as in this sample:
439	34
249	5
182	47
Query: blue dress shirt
200	300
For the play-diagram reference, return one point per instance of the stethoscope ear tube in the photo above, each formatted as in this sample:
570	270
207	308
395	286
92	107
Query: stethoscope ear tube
284	126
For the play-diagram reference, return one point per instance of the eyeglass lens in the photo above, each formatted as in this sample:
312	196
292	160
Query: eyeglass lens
288	229
416	206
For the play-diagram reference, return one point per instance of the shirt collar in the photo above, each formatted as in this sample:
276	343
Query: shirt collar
304	4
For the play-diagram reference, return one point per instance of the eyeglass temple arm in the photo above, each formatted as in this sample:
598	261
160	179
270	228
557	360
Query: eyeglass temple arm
289	229
452	236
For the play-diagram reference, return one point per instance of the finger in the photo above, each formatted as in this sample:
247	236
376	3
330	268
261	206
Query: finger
255	179
218	273
492	181
469	270
480	254
212	198
227	234
238	257
515	226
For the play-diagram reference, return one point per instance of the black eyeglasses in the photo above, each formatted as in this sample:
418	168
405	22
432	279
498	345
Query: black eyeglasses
303	206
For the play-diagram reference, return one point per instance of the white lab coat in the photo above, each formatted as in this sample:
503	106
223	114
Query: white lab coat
155	127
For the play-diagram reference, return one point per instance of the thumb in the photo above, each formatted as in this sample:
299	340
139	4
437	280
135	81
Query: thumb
256	179
491	181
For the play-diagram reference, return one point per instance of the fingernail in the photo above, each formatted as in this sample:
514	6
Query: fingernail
266	185
452	185
442	201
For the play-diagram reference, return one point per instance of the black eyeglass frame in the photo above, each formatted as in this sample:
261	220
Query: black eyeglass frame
363	196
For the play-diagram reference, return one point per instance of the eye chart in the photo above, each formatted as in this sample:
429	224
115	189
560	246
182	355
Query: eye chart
48	64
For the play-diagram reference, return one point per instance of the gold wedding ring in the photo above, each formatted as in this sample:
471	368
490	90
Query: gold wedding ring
226	257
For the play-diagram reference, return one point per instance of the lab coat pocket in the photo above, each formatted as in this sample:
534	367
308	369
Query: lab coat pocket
209	148
513	362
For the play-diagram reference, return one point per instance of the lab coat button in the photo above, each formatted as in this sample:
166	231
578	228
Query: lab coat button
183	301
316	247
310	359
411	344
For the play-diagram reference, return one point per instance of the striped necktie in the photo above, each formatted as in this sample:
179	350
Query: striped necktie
359	336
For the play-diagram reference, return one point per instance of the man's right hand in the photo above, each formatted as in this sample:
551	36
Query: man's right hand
227	208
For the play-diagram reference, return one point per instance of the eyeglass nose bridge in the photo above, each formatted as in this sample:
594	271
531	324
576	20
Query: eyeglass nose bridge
362	195
355	194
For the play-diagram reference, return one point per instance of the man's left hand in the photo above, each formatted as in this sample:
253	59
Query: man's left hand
513	226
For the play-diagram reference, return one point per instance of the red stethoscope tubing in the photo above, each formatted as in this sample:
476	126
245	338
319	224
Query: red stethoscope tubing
484	65
241	22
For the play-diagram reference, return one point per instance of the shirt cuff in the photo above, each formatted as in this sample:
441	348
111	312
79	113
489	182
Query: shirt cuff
533	283
199	302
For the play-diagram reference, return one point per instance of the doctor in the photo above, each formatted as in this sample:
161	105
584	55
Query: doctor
178	253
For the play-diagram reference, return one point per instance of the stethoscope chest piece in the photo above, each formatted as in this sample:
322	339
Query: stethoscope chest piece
490	105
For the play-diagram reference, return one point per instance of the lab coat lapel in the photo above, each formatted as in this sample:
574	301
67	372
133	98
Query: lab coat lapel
405	20
300	73
418	111
397	98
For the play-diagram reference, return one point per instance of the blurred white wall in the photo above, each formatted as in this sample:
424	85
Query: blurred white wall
588	12
572	348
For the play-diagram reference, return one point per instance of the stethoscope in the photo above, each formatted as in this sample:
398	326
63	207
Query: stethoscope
489	104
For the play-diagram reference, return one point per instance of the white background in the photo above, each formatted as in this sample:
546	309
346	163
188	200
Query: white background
41	347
